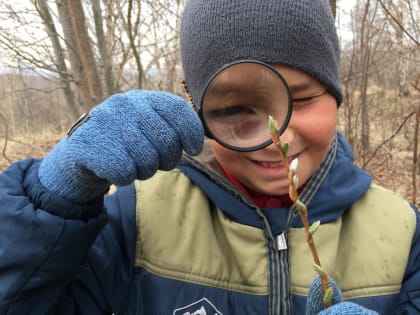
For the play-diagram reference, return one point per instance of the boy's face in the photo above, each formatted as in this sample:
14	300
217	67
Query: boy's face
309	134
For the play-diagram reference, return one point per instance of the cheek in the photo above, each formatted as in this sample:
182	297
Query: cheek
317	125
225	156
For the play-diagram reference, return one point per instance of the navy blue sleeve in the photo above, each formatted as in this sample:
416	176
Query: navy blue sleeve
409	303
61	258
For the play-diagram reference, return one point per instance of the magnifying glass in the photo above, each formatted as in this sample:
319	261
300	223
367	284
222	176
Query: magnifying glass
237	102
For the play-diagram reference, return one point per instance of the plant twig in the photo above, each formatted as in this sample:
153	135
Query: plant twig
301	208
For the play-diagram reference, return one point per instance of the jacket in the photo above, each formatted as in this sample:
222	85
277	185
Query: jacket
188	242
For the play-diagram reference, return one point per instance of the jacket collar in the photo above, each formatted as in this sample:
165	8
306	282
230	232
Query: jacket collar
334	187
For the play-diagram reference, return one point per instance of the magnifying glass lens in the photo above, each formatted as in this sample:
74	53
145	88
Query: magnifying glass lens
238	101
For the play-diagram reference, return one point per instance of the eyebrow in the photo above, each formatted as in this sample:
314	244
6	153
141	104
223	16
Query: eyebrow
222	88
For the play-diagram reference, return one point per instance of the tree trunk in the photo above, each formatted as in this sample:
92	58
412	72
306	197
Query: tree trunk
131	38
85	49
45	15
365	63
78	77
103	51
416	161
402	70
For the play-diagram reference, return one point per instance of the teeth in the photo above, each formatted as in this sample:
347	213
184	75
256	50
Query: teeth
271	164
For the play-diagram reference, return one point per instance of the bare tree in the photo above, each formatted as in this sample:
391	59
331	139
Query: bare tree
63	73
365	52
131	28
78	79
85	49
107	44
397	16
380	121
106	59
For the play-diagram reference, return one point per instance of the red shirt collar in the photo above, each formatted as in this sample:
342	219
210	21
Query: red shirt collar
261	200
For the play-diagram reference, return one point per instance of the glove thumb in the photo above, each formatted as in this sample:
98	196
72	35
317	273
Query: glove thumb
314	303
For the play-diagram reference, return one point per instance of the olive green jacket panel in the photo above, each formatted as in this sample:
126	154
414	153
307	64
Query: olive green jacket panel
365	251
175	224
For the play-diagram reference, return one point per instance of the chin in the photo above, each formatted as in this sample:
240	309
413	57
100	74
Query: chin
275	191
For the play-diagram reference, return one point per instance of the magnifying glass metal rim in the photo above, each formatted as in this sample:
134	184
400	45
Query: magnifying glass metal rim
284	125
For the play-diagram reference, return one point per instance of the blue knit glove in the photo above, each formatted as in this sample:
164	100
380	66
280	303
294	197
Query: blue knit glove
314	304
129	136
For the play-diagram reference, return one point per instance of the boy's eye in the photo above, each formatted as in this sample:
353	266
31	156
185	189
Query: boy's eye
231	111
298	101
303	100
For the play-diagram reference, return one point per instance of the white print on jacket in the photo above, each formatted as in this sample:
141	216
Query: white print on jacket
200	307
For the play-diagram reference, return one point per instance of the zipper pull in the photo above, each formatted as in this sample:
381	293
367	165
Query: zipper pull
281	242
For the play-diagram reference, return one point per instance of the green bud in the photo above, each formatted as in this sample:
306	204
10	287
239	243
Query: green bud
328	296
314	227
285	148
319	270
295	181
272	125
300	206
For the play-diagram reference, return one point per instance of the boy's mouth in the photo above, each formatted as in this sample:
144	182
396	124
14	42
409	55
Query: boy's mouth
276	164
270	164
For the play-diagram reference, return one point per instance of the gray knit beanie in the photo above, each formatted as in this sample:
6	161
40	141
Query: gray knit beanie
296	33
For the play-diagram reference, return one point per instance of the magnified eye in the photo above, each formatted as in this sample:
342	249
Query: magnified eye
231	111
236	123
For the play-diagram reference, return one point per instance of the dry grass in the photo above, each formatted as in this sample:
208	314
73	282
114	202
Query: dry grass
27	145
390	169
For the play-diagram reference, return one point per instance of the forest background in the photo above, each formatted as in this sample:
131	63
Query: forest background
59	58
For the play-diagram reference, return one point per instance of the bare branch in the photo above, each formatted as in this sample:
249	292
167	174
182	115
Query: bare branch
406	118
398	22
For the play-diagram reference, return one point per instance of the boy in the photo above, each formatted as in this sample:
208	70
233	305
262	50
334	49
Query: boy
200	236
